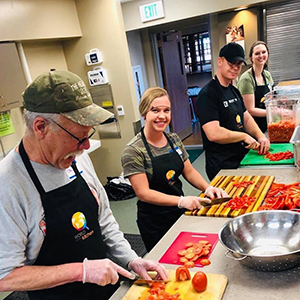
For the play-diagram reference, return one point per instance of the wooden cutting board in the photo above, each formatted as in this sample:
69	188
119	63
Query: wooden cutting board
259	189
216	285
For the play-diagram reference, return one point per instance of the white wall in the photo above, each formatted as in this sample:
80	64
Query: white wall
177	10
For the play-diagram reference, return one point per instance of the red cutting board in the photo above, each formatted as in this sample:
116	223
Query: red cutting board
171	256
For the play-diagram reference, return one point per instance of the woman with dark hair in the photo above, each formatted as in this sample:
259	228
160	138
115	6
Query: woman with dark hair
256	82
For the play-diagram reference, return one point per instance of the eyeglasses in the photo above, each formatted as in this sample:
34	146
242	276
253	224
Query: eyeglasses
80	141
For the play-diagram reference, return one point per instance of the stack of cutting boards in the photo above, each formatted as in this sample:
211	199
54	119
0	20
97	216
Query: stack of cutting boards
216	285
258	189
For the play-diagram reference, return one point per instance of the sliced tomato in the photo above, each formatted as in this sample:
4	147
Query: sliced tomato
189	264
182	274
205	262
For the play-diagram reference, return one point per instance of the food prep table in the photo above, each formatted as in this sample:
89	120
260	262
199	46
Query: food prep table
243	283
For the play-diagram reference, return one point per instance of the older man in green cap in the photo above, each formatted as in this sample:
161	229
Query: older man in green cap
56	224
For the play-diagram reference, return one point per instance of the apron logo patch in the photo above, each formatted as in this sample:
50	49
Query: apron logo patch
80	224
42	226
171	177
238	121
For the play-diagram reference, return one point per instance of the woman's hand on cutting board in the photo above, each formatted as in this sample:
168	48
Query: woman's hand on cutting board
143	266
214	192
191	202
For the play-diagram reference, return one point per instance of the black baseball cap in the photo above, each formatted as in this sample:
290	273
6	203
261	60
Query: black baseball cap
233	52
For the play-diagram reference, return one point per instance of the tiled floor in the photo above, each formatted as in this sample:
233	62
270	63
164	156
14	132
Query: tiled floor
125	211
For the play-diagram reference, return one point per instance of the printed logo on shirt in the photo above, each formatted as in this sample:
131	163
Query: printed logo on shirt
42	225
227	102
171	177
79	222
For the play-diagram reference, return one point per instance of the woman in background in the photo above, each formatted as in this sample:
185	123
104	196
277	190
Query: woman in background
256	82
153	161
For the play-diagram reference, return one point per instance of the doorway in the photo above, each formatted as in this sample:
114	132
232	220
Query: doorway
171	59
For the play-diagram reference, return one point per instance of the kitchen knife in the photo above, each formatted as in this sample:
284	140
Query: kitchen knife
141	281
216	201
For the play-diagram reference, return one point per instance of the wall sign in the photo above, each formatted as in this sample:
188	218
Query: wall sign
152	11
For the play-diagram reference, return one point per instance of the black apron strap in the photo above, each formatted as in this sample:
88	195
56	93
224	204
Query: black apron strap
263	76
147	145
29	168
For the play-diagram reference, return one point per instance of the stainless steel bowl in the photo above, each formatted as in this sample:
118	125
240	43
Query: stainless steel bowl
264	240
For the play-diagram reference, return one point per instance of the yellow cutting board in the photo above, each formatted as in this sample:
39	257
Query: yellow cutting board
216	285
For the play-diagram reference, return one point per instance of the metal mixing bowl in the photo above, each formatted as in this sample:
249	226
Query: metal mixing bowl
264	240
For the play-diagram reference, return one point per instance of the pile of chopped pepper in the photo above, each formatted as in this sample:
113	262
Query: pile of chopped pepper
240	202
158	292
282	196
282	131
242	184
279	155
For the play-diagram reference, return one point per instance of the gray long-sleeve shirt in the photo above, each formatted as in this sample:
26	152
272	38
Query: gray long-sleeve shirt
22	222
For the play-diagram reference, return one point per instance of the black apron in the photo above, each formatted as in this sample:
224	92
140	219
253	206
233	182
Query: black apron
155	220
66	240
259	96
227	156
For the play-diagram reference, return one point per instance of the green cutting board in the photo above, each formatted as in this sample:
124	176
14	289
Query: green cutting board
253	158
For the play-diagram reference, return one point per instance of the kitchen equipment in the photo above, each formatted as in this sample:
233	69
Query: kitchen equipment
141	281
171	255
295	141
258	188
282	113
216	285
253	158
264	240
216	201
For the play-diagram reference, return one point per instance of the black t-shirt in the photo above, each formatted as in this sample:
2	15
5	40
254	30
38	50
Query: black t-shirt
223	104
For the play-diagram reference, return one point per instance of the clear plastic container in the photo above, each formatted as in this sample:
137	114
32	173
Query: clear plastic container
295	140
283	115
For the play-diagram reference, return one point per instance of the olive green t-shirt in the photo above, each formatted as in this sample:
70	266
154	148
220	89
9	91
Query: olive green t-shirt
135	158
246	83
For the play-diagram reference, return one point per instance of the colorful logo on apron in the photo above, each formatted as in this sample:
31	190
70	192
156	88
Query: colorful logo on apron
238	121
79	221
171	176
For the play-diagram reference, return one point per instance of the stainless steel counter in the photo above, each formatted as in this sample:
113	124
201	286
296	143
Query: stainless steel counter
243	283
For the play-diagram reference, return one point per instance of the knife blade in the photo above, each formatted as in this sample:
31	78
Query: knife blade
140	281
145	281
216	201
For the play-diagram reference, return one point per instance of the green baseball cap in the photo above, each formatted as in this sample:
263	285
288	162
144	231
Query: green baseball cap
63	92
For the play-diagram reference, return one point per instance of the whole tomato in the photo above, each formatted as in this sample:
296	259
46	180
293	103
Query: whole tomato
199	282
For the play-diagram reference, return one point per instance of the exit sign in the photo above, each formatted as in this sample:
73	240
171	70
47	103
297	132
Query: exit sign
152	11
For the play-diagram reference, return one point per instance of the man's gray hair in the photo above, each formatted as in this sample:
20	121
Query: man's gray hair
29	117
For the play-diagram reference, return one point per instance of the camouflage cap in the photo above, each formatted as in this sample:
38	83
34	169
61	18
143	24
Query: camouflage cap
63	92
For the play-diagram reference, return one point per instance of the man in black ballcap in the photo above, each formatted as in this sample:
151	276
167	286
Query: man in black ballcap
57	228
228	130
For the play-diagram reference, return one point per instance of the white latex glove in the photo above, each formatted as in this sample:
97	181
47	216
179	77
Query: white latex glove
103	272
214	192
142	266
191	202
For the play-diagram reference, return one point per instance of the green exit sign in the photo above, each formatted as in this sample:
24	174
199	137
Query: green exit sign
151	11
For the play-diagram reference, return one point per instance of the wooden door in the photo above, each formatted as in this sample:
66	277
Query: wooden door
175	82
